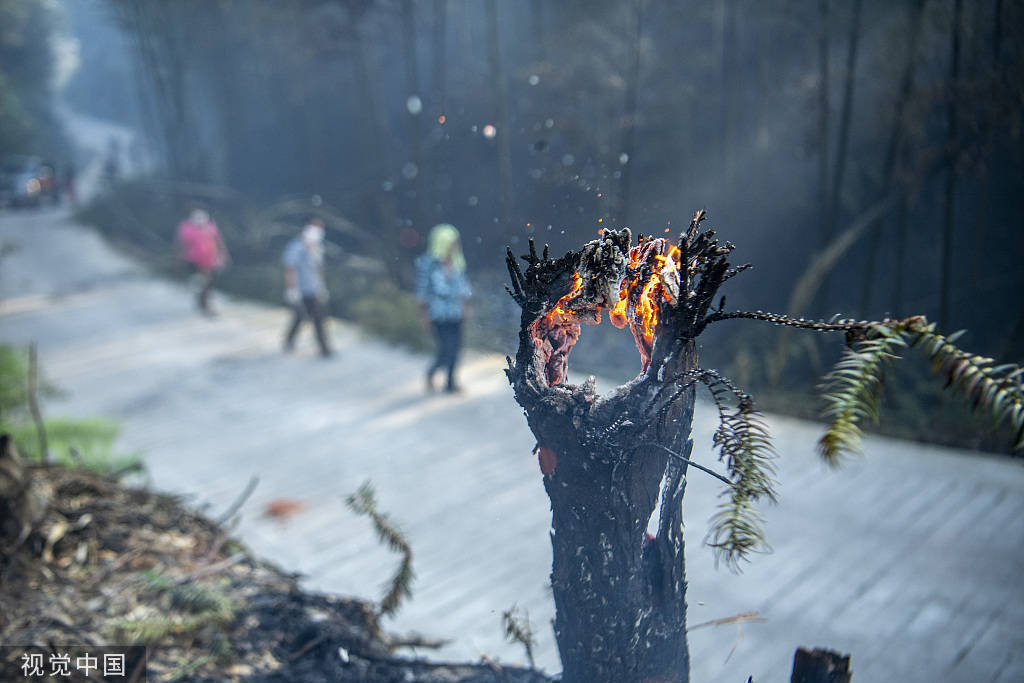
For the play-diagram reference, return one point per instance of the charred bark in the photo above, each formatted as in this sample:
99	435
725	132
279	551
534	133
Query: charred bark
820	666
619	592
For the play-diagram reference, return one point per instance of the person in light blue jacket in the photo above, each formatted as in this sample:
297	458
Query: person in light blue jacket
305	290
443	290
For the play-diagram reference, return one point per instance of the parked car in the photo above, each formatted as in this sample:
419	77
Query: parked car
27	181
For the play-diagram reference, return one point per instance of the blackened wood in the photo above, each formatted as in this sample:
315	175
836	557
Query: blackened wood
820	666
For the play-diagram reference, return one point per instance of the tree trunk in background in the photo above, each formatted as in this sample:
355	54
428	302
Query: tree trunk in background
842	142
900	253
440	175
823	118
380	145
845	117
501	95
439	68
173	61
412	87
621	211
137	15
730	86
949	207
539	29
891	153
997	32
984	214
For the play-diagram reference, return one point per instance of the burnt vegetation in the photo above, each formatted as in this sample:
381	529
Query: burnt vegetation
615	465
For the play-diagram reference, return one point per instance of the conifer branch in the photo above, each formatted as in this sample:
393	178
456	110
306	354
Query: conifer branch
363	502
852	391
745	446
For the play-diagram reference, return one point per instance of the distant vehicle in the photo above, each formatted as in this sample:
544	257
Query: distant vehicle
27	181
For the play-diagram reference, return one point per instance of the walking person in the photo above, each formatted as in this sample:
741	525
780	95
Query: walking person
443	291
305	290
203	249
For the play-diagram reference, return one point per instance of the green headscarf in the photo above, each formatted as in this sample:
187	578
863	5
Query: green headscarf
442	237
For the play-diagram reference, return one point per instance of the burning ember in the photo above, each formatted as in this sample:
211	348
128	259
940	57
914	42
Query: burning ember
652	278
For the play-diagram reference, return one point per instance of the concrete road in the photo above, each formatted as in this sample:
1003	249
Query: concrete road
910	559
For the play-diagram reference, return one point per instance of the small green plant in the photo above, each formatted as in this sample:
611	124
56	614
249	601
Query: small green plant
194	608
518	630
363	502
86	443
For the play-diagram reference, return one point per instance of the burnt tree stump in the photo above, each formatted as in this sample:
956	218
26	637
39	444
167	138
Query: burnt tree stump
820	666
619	592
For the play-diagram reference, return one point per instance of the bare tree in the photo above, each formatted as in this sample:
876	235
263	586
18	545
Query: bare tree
949	207
501	96
630	112
823	119
892	153
845	118
412	90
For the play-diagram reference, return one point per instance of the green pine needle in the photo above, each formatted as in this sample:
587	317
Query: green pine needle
853	388
853	391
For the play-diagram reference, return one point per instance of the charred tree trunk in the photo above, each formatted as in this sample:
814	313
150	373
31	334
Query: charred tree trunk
820	666
619	592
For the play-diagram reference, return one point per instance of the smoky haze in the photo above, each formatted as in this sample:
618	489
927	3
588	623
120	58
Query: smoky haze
789	122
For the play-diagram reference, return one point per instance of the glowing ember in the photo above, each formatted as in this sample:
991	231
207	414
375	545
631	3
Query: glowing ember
555	333
653	279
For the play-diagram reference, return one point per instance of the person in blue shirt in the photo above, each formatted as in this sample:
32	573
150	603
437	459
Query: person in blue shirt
443	291
305	290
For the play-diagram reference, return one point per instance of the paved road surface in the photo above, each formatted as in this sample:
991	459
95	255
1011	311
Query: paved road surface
911	559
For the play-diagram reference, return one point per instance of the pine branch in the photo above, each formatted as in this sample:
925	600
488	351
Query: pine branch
363	502
745	446
841	325
999	389
853	391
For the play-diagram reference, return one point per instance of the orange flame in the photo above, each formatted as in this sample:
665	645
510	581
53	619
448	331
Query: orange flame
561	313
654	279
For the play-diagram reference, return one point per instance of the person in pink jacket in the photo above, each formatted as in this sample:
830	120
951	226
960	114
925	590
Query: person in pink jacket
203	249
